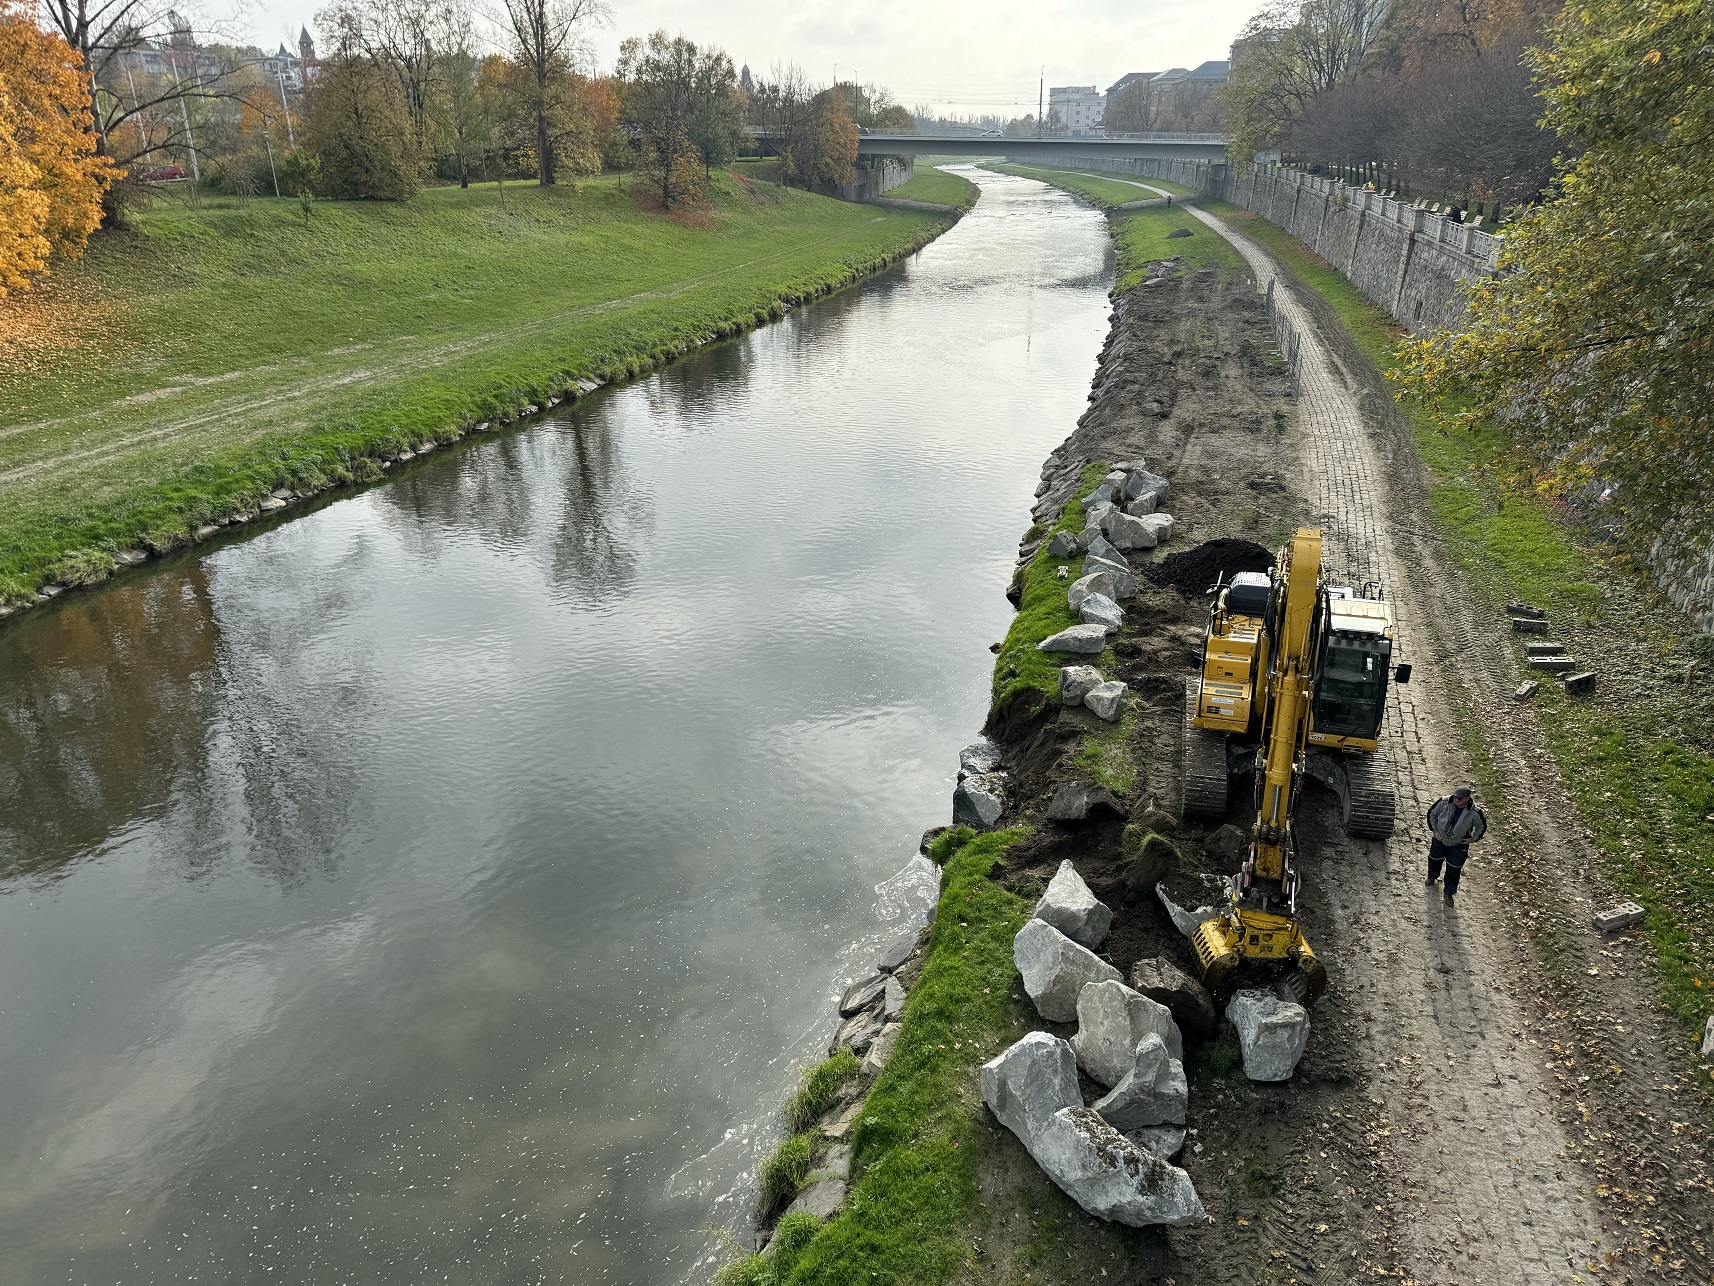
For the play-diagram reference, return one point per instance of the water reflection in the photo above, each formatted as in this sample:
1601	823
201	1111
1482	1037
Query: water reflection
537	802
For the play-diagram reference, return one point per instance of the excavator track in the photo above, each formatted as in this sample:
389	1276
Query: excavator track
1204	768
1371	798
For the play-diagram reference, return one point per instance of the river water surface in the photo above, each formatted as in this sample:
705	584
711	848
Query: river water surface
445	884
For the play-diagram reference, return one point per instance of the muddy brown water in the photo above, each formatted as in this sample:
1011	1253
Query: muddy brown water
445	884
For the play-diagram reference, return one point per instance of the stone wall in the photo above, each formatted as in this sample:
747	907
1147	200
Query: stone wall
874	175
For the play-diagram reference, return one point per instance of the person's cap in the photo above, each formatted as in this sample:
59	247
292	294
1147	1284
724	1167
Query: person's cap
1463	792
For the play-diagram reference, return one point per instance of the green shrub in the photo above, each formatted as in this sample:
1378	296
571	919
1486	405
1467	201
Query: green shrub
782	1171
816	1089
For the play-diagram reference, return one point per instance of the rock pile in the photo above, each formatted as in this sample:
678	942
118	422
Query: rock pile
1112	1158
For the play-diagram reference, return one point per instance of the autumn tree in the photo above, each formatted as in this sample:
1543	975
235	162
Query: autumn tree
827	145
469	108
683	104
358	126
1288	54
51	178
546	39
1594	346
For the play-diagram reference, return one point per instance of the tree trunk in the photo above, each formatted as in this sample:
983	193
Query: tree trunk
544	149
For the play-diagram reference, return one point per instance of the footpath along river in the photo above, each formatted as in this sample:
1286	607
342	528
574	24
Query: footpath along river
445	885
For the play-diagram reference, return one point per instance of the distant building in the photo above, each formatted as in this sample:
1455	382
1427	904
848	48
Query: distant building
1078	110
1127	80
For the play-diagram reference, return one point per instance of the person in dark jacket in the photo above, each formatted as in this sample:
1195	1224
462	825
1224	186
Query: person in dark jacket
1454	824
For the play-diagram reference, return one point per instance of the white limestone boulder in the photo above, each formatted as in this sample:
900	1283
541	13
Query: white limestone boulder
1124	582
1160	525
1108	701
1090	640
1140	483
1102	548
1153	1092
1055	969
1024	1086
1272	1033
1093	583
979	757
1077	682
1070	906
1098	609
1095	513
1163	1141
1111	1177
1127	532
979	800
1138	508
1111	1020
1063	545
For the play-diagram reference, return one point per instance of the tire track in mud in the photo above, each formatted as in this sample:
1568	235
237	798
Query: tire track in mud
1476	1175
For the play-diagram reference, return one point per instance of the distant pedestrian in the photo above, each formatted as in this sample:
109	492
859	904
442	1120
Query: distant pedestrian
1454	824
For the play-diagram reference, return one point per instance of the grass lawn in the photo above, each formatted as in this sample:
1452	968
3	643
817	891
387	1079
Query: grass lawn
936	185
1644	791
1102	190
176	374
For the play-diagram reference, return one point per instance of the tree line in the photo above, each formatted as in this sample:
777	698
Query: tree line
404	93
1432	94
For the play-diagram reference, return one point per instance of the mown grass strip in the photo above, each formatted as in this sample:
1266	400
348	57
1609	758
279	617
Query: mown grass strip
177	374
917	1149
1646	795
937	185
1103	192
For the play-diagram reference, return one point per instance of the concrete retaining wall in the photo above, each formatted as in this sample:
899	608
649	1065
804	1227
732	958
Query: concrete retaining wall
874	175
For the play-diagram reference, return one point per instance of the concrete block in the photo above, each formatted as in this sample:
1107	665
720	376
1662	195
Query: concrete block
1524	609
1552	664
1580	685
1527	690
1624	916
1528	625
1544	649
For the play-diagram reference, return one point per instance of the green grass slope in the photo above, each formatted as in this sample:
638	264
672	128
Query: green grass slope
1103	191
939	187
176	374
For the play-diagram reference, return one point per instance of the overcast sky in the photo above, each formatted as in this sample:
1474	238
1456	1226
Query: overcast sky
954	55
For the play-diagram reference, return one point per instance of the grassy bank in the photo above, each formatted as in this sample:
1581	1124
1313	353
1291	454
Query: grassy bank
177	374
938	186
1645	790
1102	191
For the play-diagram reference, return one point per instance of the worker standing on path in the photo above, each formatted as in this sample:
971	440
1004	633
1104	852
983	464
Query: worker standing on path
1454	824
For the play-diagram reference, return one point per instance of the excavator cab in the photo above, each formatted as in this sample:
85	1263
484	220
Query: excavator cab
1293	686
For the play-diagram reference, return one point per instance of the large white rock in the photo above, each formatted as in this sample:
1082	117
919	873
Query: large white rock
1141	482
1098	609
1152	1092
1111	1019
1028	1083
1124	583
1077	682
1104	549
1055	969
980	756
1160	524
1271	1032
1063	545
1107	701
1102	495
1088	639
1069	906
1186	922
979	800
1708	1038
1095	513
1137	508
1164	1141
1127	532
1084	586
1111	1177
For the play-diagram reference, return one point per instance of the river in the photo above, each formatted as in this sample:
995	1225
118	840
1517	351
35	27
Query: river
446	884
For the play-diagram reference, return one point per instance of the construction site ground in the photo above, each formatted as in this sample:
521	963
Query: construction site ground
1492	1093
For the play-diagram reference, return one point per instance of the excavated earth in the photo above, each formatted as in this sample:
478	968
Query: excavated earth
1475	1105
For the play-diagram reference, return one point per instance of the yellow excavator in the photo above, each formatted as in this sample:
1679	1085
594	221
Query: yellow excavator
1293	687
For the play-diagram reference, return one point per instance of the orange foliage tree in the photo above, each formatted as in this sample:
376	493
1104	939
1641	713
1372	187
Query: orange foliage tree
51	180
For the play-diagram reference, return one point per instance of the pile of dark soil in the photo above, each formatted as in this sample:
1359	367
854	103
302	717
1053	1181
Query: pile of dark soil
1193	571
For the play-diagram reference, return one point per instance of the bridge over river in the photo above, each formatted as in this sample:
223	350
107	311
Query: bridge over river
1172	147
